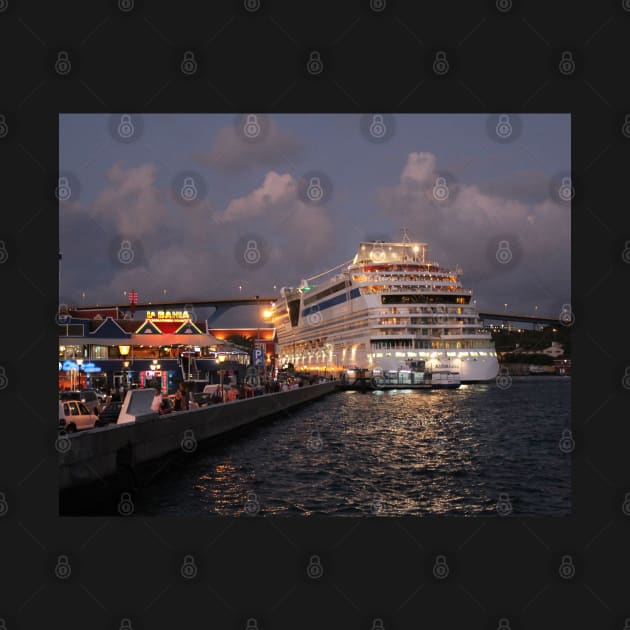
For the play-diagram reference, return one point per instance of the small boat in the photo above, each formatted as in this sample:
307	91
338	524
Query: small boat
445	379
362	382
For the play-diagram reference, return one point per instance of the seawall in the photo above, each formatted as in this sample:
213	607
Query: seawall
102	452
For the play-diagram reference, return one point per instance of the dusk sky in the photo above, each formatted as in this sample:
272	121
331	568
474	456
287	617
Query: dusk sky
127	192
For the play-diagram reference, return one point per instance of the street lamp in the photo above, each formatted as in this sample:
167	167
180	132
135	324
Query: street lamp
79	363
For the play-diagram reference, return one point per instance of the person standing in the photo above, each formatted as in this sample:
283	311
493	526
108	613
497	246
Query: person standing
156	403
183	392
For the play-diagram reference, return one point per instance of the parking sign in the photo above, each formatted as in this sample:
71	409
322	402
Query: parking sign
258	357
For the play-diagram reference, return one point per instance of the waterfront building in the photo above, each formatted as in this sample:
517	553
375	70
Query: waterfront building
102	348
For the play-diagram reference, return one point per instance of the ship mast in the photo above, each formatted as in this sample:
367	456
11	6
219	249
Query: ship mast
406	242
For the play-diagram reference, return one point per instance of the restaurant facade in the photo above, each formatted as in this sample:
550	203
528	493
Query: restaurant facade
102	348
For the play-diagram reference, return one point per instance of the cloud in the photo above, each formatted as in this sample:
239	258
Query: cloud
130	202
467	229
526	186
301	233
276	192
189	252
232	153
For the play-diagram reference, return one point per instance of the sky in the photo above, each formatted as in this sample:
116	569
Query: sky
201	206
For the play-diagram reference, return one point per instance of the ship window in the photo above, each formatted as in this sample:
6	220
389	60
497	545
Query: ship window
326	292
424	299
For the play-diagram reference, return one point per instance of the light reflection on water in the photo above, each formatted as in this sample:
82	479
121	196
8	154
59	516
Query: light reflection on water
402	452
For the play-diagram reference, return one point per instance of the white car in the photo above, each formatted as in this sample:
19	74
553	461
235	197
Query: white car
75	416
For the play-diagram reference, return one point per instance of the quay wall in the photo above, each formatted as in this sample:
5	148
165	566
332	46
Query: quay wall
100	453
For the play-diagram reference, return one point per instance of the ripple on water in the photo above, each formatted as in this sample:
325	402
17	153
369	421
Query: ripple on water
391	453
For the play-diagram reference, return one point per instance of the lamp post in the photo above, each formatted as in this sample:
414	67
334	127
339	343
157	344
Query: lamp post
79	363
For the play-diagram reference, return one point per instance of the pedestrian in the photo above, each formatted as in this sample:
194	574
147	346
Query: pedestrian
177	403
183	392
156	403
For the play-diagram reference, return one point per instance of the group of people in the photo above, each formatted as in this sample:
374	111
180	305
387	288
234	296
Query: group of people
161	405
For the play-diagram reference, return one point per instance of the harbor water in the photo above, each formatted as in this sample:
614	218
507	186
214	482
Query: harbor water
477	450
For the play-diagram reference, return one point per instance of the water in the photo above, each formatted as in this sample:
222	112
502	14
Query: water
404	452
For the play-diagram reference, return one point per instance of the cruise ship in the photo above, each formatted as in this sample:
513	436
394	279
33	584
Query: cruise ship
390	310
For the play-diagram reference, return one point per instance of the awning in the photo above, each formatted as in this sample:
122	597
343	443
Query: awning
152	339
79	341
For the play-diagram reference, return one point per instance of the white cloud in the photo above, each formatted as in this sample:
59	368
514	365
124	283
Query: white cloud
232	153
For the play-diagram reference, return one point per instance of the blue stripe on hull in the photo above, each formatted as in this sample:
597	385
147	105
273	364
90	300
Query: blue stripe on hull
338	299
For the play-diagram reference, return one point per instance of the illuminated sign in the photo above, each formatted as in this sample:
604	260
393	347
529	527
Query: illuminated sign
168	315
86	367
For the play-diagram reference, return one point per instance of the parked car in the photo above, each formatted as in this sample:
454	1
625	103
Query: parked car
103	398
87	396
75	416
109	415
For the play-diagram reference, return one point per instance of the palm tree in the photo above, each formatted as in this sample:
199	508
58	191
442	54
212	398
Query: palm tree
241	340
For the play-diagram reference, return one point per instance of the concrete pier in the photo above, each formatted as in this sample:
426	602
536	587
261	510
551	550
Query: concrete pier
100	453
